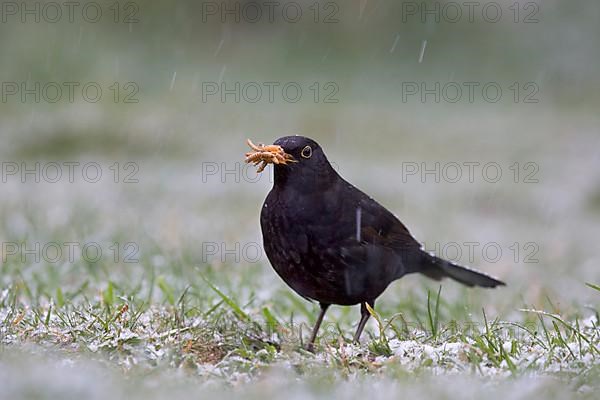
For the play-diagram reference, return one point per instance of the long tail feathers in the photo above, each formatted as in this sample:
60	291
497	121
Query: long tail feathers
437	268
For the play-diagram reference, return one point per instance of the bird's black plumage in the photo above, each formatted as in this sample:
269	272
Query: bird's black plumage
332	243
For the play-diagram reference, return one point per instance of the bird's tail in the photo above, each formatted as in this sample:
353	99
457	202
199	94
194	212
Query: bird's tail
437	268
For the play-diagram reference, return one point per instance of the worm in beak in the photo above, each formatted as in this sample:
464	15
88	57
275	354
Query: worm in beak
264	155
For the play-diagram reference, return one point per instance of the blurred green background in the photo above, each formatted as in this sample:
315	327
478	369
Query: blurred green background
366	48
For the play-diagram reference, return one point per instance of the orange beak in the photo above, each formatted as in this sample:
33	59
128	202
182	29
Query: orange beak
264	155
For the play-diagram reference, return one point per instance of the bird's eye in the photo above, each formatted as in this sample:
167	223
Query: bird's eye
306	152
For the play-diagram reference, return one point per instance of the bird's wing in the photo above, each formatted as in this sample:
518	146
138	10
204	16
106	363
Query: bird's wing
371	238
379	226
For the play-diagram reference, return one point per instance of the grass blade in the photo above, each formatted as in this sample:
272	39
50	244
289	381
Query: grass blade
232	304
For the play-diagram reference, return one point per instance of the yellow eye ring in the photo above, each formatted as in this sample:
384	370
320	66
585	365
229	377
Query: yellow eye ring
306	152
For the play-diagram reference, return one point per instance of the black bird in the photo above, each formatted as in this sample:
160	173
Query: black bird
332	243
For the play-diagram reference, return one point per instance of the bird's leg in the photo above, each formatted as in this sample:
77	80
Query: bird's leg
364	316
311	344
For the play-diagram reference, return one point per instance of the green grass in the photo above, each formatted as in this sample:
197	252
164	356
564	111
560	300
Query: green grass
203	327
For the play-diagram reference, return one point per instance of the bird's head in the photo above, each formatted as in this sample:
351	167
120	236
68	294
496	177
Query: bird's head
297	159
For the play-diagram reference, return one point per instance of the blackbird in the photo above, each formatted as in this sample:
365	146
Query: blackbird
332	243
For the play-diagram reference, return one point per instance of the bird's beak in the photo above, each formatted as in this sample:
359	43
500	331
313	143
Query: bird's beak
264	155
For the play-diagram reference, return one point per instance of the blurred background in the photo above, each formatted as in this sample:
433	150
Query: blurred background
159	98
